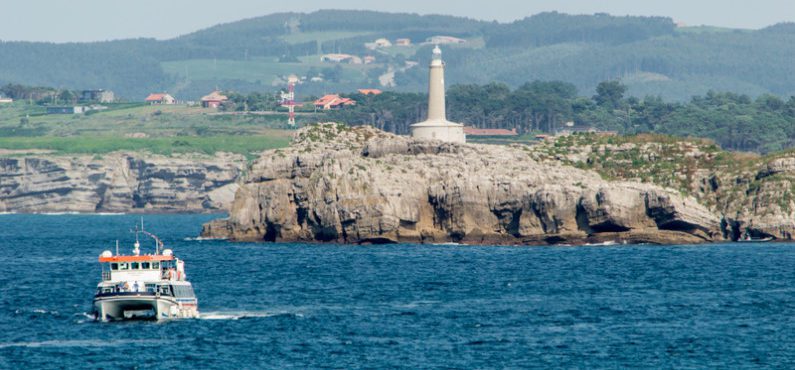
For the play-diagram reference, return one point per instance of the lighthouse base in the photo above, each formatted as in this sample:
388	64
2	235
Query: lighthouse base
439	130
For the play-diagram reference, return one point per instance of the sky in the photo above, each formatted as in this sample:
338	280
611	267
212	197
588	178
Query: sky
97	20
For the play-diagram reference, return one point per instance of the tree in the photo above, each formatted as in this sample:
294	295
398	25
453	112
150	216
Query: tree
333	74
67	97
609	94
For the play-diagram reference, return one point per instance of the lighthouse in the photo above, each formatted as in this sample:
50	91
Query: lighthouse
437	127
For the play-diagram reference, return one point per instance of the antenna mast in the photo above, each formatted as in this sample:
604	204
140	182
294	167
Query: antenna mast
288	100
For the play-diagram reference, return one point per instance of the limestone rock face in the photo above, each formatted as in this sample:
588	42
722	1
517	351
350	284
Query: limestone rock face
362	185
118	182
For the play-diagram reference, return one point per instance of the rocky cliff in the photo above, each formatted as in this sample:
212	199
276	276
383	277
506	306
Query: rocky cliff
118	182
361	185
753	195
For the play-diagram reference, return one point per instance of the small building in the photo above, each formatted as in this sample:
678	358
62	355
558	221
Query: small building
6	100
214	100
473	131
383	43
98	95
370	91
403	42
341	58
67	110
333	101
156	99
369	59
378	44
441	40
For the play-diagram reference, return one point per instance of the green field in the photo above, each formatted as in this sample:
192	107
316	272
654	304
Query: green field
708	29
264	70
138	127
301	37
246	145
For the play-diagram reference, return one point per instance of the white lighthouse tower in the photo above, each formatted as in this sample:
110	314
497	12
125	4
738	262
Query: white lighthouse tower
437	127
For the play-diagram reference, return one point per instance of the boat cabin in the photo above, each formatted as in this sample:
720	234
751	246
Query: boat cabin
147	268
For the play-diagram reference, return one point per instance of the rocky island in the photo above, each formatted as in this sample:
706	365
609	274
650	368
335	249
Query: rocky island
361	185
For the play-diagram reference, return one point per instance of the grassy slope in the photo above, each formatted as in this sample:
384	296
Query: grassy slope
247	145
157	129
301	37
264	70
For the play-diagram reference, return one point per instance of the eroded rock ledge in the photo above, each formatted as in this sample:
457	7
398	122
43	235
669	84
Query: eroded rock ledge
118	182
362	185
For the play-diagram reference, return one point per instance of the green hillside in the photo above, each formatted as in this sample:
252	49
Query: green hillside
650	54
138	127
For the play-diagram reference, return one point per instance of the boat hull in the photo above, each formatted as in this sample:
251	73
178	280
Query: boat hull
115	307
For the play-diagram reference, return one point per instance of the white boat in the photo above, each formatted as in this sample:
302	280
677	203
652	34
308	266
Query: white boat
149	286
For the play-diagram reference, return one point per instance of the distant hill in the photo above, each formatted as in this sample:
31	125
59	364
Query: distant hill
650	54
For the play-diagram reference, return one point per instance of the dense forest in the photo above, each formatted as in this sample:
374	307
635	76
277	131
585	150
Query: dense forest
651	55
734	121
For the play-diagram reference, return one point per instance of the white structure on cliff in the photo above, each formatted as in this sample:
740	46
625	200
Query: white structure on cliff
437	127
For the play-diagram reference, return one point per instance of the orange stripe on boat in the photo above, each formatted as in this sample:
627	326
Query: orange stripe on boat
136	258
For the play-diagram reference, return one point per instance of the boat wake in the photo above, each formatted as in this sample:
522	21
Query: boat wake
200	238
45	312
83	343
602	244
237	315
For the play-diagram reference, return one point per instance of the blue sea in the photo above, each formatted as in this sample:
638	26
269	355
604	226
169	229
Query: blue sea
398	306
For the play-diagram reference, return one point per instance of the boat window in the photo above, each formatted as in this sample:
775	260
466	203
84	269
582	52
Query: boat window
134	266
114	266
123	266
182	291
145	265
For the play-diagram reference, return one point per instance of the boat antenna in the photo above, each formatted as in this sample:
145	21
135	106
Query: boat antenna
137	245
117	247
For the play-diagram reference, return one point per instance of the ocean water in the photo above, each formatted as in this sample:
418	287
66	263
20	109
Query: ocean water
338	306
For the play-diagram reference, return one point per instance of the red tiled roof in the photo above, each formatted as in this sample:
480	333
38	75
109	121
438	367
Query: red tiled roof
215	96
334	100
155	97
472	131
370	91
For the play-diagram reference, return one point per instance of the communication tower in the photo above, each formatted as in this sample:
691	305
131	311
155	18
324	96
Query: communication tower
288	99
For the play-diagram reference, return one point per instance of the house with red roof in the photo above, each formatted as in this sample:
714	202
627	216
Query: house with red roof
333	101
214	100
160	98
